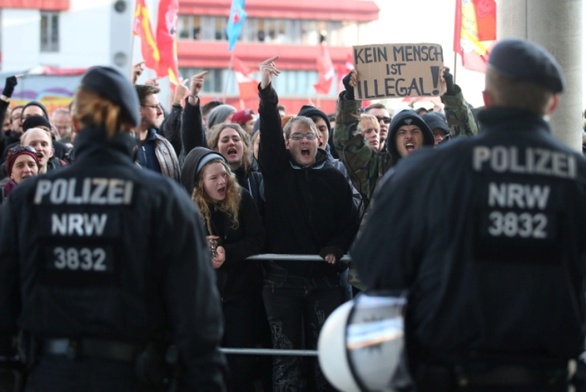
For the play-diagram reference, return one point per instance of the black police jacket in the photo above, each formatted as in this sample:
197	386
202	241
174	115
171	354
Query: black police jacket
486	234
103	249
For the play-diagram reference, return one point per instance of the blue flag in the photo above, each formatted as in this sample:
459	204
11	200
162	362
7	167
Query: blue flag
235	22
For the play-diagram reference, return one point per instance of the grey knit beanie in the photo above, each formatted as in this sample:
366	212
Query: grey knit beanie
219	114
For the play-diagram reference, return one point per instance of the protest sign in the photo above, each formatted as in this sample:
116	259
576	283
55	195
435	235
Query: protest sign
398	70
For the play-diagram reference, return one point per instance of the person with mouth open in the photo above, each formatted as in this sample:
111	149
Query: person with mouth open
309	210
234	232
227	138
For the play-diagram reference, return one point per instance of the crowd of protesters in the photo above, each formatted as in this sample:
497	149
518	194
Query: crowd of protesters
270	182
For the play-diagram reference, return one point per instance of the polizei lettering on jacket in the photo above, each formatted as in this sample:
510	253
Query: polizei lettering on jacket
90	191
501	159
520	209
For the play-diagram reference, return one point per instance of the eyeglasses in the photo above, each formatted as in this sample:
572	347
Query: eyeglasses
157	106
18	149
386	120
300	136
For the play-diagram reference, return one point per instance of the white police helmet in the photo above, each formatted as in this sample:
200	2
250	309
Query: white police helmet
361	343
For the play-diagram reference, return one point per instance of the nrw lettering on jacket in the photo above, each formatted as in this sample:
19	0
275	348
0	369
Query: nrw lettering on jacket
92	191
529	160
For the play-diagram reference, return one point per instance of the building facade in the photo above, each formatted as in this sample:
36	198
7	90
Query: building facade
82	33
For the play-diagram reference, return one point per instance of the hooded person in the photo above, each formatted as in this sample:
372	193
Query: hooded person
438	125
234	232
195	160
404	137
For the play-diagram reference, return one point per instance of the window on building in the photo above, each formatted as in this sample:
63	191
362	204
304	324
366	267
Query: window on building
49	31
189	27
278	31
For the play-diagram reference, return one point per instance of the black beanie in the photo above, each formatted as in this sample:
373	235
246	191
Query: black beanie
34	122
197	158
310	111
38	104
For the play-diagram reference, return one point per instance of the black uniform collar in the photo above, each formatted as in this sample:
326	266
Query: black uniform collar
90	139
495	116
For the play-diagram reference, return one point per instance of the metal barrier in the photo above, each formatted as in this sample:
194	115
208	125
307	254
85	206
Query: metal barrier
280	257
270	351
275	351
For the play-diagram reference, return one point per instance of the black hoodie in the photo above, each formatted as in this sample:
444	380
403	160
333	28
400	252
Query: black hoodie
407	117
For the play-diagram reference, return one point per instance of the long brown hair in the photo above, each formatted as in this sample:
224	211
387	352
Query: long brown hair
214	140
229	205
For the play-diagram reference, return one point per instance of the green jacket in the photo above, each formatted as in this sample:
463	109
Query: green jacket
366	166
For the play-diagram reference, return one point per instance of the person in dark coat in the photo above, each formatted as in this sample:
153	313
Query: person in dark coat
485	237
309	211
234	232
105	267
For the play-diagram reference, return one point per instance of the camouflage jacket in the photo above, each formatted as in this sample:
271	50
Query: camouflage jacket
459	115
365	165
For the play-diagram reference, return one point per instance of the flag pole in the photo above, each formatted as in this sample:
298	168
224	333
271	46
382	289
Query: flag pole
455	65
227	79
132	39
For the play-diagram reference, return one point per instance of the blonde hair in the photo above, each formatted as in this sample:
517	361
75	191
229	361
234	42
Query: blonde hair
93	110
229	205
364	117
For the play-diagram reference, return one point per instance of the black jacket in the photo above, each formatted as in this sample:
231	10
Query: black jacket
487	236
307	210
237	276
103	249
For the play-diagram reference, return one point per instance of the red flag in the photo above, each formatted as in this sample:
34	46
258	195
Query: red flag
325	70
475	32
142	28
247	86
167	39
344	69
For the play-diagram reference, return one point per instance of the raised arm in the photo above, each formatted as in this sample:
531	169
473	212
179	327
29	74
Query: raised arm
458	113
363	163
192	129
272	154
171	126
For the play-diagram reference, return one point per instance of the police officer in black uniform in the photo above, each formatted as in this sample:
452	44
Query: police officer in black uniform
104	267
486	237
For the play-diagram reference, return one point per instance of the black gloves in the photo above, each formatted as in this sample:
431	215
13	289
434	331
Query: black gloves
11	82
451	88
349	89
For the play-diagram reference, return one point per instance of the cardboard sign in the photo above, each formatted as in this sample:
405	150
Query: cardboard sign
398	70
